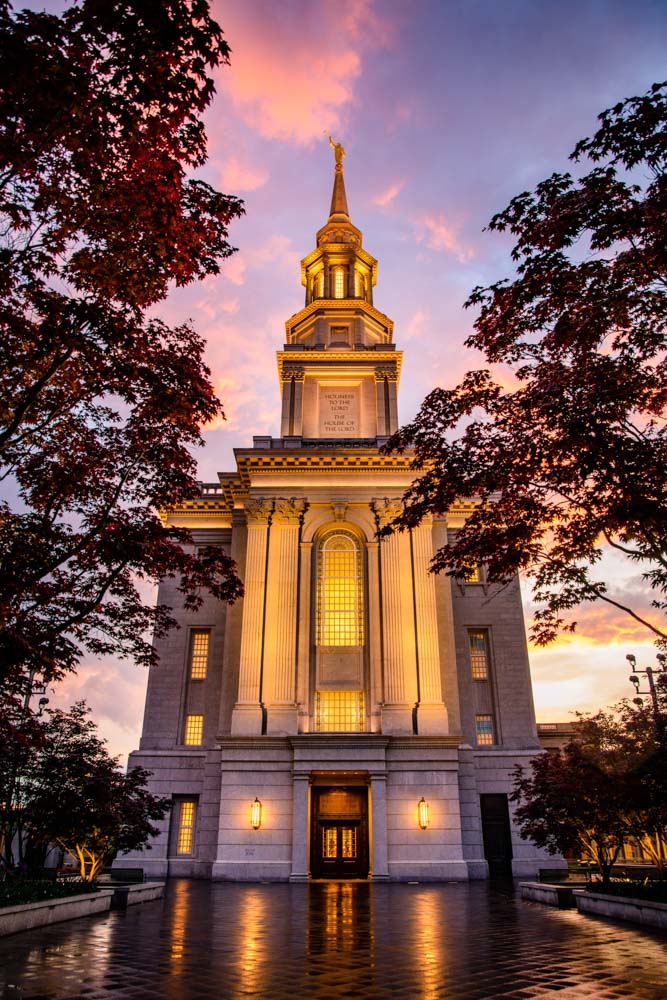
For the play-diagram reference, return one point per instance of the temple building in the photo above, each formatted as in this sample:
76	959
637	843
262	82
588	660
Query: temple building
353	716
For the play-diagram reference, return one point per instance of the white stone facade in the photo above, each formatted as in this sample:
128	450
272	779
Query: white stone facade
349	684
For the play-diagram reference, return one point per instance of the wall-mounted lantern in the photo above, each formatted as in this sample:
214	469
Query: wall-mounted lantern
256	814
422	809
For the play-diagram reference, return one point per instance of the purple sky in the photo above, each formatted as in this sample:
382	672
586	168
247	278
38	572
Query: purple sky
446	111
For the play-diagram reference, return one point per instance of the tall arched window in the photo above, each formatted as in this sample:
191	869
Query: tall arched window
339	592
339	283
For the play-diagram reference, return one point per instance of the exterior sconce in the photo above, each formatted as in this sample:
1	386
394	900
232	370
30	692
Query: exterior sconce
256	814
422	808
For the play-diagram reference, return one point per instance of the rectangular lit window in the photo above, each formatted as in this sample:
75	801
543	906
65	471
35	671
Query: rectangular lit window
358	285
339	711
473	575
319	285
339	283
479	653
186	828
484	730
194	727
198	655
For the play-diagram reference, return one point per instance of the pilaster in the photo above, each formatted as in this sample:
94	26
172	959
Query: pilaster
247	715
280	662
432	715
399	696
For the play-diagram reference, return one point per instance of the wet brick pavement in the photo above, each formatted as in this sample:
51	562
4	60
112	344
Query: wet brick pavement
332	940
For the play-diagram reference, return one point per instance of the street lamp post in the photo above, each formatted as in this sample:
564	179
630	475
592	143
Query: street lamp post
656	678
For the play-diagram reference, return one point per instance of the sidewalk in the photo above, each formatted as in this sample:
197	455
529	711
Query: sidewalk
226	941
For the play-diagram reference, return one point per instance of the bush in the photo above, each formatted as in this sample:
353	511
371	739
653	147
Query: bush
653	892
17	890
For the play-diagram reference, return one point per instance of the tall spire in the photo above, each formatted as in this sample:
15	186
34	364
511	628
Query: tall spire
339	210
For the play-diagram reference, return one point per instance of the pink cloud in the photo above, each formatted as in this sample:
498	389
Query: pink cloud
303	95
237	174
388	195
438	233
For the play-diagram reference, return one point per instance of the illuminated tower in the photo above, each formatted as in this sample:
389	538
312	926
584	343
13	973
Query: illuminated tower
353	715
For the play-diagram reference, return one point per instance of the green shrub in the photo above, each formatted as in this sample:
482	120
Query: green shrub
652	891
16	890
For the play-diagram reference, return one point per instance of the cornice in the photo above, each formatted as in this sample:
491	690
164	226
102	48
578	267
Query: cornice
337	359
335	305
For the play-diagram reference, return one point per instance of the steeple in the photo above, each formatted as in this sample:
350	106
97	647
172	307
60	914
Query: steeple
339	210
339	369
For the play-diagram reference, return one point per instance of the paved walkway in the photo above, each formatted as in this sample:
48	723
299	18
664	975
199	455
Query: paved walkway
334	940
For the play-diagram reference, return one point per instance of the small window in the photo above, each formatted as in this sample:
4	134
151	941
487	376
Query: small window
194	728
319	285
198	655
473	575
339	283
359	285
484	730
479	653
186	827
339	711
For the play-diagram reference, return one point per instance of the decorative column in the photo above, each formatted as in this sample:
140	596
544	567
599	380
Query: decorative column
281	641
381	400
374	634
291	424
300	824
303	639
379	827
392	400
432	715
247	715
397	703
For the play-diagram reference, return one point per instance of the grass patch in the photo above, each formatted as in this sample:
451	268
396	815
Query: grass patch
17	890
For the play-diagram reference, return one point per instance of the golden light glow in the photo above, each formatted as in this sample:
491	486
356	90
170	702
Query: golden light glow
194	727
358	284
339	593
339	283
479	653
186	826
422	808
339	711
198	655
256	814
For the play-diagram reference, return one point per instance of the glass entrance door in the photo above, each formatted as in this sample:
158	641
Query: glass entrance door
339	842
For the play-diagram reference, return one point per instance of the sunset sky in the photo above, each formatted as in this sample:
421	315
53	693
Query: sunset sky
446	111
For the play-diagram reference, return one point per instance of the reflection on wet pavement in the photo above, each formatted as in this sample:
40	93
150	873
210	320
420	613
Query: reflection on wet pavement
335	939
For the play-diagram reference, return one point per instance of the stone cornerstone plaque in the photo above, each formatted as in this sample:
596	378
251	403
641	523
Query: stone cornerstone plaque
339	411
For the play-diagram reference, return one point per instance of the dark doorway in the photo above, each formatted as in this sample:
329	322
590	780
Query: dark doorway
339	832
497	835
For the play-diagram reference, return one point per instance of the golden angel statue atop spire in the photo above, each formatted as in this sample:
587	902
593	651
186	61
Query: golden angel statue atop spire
339	152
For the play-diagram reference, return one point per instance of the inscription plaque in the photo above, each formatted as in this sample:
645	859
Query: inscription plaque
339	411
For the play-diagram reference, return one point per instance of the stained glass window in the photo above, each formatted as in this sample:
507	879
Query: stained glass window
484	730
339	711
339	593
479	653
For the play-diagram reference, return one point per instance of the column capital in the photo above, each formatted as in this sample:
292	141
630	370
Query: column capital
290	509
259	510
295	372
386	509
388	372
